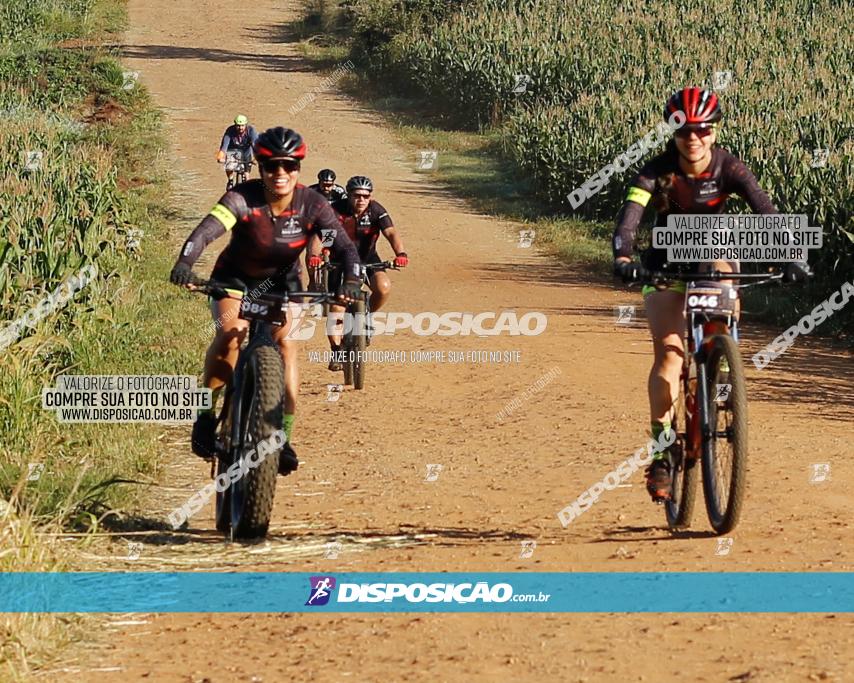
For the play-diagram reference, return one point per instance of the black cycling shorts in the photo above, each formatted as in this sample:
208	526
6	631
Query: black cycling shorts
289	282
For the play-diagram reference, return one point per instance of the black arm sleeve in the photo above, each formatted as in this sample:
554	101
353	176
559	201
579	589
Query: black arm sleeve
213	226
741	181
628	220
205	233
631	213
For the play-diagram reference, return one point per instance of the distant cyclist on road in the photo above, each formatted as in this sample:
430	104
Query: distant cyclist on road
236	146
691	176
363	219
327	186
271	221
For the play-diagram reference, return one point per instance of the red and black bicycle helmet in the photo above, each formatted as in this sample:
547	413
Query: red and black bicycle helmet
700	107
279	143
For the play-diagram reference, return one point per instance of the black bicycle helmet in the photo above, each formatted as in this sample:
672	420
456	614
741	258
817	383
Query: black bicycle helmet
701	107
279	143
327	175
359	182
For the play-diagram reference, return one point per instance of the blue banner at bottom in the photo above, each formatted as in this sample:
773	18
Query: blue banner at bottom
247	592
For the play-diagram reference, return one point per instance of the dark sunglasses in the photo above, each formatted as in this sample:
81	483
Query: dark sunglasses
685	132
272	165
361	196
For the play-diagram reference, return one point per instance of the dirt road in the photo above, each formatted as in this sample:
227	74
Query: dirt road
362	481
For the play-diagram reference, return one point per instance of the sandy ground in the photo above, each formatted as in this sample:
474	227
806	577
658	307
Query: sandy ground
362	481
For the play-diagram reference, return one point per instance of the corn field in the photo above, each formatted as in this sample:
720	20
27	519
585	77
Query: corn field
61	205
600	73
62	209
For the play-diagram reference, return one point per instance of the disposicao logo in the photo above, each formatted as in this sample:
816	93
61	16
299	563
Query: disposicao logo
321	590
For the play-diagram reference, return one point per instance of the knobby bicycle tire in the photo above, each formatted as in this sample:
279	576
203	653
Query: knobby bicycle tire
724	516
680	508
263	394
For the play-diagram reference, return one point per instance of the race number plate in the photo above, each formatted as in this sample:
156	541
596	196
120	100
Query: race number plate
711	298
267	310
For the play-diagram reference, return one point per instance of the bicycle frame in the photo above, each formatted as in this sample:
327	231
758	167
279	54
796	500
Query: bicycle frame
260	333
700	329
365	270
235	163
699	335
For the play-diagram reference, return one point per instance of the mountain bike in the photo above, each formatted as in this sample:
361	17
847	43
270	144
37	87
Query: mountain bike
710	413
234	161
252	410
359	331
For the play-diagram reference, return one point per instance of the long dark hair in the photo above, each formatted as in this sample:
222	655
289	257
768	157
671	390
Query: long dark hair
660	198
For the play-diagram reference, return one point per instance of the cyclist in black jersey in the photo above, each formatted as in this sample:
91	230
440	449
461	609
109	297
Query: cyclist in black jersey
363	219
691	176
327	186
271	221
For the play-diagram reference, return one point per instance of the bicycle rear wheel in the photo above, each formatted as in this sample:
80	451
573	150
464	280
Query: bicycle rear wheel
725	446
262	402
680	508
347	346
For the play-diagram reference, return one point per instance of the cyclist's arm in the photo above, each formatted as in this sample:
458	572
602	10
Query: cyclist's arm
226	141
253	135
221	219
739	180
631	213
380	218
315	247
390	233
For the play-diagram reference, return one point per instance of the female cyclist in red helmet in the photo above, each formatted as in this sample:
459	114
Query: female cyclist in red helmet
691	176
270	221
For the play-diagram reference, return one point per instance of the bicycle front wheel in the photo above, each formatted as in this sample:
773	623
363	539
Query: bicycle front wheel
223	498
725	443
680	508
359	343
262	403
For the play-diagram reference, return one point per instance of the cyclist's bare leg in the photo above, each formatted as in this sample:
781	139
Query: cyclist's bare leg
665	312
289	350
222	354
380	288
336	324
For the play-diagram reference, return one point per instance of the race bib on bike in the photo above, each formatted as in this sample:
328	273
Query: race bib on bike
711	298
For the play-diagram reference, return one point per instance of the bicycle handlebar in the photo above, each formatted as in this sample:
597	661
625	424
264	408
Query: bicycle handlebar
380	265
217	290
658	276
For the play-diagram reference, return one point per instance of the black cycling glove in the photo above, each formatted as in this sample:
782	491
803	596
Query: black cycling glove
630	271
182	274
350	289
796	272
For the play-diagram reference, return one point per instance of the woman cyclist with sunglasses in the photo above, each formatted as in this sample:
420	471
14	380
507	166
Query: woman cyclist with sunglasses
691	176
271	221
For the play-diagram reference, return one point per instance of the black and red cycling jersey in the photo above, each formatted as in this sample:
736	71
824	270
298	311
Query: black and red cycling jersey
366	229
263	245
662	180
336	192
